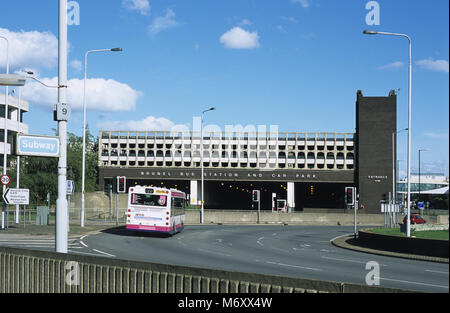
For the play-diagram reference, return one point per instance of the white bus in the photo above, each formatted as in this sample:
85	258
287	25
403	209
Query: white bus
154	209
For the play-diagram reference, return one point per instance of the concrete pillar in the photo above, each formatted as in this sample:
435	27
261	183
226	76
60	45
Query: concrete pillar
194	193
291	195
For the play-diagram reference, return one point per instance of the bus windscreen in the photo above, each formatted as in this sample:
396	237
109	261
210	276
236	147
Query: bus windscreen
148	200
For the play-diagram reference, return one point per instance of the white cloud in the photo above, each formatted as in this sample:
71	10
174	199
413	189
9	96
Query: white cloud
436	135
77	65
29	49
150	123
245	22
238	38
105	95
303	3
142	6
281	29
290	19
434	65
391	66
161	23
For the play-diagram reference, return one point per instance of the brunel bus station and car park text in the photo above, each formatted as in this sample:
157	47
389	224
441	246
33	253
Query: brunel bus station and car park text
310	171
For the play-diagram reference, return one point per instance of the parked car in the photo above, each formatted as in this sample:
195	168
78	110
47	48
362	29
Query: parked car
415	219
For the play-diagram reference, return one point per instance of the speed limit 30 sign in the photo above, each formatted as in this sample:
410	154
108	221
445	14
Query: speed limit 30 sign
5	180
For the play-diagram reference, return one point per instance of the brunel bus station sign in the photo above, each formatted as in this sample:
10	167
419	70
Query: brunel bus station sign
235	175
33	145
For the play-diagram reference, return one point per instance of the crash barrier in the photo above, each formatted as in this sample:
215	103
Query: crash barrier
27	271
416	246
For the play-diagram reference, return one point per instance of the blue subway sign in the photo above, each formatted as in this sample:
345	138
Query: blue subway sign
33	145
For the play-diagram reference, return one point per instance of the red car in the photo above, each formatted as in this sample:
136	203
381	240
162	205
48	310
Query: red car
415	219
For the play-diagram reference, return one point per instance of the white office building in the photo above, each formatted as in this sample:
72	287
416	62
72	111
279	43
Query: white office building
14	121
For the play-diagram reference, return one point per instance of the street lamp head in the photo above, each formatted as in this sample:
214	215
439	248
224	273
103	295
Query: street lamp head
12	80
116	49
212	109
370	32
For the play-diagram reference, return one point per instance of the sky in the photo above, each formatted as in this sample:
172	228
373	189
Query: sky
296	64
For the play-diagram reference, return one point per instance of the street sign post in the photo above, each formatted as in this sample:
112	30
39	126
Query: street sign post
70	187
34	145
17	196
5	180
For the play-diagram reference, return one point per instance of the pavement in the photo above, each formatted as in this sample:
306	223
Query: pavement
350	243
49	230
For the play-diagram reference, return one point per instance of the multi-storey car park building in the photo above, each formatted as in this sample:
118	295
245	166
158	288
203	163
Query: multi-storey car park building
14	122
309	170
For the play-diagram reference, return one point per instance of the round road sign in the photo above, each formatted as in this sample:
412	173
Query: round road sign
5	180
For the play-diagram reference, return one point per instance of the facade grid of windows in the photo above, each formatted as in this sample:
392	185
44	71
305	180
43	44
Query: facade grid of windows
313	151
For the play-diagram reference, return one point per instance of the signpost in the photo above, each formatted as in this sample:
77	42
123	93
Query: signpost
5	181
17	196
35	145
70	187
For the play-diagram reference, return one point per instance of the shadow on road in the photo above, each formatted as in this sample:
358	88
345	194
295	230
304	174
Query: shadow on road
122	231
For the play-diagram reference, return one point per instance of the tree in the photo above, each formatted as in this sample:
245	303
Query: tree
75	160
40	174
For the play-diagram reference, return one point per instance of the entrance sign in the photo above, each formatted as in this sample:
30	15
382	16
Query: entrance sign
32	145
17	196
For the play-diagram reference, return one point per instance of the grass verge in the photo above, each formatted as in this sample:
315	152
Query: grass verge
428	234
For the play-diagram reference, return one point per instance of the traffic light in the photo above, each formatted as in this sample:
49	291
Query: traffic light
350	195
255	195
121	184
108	188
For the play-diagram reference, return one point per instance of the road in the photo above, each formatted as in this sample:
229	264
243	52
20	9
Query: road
293	251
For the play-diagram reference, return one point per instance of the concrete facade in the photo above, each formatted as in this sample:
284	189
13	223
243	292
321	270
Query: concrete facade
300	167
376	122
14	121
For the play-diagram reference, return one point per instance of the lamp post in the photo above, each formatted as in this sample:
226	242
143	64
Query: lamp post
83	170
201	160
408	222
18	156
420	150
394	172
5	140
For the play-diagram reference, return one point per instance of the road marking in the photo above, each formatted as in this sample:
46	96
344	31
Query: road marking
79	252
103	253
214	252
346	260
296	266
258	241
85	245
82	237
413	282
439	272
331	240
